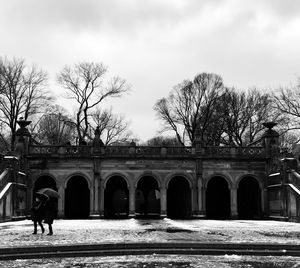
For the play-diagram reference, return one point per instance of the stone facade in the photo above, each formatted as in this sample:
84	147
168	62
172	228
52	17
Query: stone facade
186	179
96	181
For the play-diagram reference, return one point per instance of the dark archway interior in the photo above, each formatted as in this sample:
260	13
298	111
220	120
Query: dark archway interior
77	198
217	199
43	182
147	198
116	198
249	199
179	198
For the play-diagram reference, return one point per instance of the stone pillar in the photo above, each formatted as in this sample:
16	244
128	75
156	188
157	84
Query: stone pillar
96	194
61	201
200	211
271	143
233	203
194	202
163	202
201	198
101	200
91	189
263	202
94	212
131	202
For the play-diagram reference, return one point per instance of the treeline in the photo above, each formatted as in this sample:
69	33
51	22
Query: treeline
218	114
24	94
221	115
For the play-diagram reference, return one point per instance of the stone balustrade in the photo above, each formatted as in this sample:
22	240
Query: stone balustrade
147	152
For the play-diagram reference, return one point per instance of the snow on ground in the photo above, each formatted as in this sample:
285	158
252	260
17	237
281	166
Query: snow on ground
160	261
19	233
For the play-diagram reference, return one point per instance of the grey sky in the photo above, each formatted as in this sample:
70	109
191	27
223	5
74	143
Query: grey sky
155	44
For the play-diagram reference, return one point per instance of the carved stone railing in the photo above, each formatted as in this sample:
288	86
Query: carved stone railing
147	152
51	150
232	152
108	151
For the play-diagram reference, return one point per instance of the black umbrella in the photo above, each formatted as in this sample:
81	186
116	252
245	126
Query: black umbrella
48	192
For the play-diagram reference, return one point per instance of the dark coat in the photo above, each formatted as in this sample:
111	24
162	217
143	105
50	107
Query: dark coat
37	211
50	208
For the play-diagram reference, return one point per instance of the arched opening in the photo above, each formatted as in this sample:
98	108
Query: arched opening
147	198
77	198
217	199
43	182
179	198
116	198
249	199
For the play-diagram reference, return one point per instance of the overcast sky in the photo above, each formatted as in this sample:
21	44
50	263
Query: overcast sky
156	44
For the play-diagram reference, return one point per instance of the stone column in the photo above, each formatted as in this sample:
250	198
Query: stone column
96	194
61	201
91	189
264	202
194	202
233	203
101	200
200	211
132	202
163	202
201	198
95	198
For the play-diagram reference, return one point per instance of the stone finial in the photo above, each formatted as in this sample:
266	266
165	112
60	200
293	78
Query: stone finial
97	141
23	131
132	144
270	130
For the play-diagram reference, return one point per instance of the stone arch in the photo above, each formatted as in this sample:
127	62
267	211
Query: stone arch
249	197
116	196
148	174
179	197
226	177
170	176
250	175
115	174
77	196
218	197
44	180
79	174
147	196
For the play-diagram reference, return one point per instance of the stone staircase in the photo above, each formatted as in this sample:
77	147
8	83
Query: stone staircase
13	194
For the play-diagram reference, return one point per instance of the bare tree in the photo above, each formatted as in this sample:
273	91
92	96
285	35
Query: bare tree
22	93
55	127
191	105
245	113
113	128
85	83
286	100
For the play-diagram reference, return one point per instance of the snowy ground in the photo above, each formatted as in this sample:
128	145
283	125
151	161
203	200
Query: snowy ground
165	261
19	233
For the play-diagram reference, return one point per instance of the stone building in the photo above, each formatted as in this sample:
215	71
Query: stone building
96	181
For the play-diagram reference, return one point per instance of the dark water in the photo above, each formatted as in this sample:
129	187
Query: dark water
167	261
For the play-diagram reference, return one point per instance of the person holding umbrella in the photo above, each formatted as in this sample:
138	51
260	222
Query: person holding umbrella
50	206
37	213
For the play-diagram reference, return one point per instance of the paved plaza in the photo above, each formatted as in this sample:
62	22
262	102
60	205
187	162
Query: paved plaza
19	233
76	232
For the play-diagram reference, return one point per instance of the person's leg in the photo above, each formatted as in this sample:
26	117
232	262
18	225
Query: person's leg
42	227
35	227
50	230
